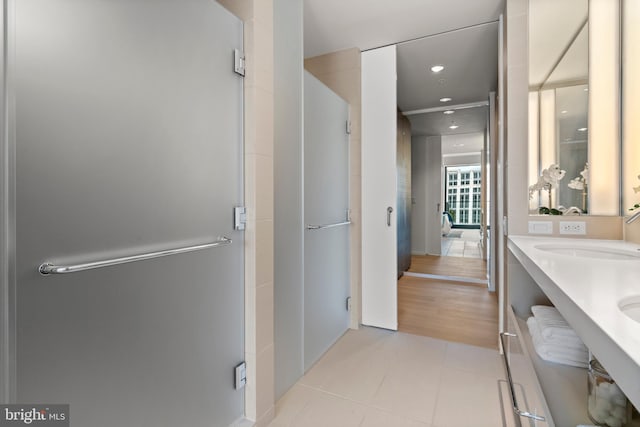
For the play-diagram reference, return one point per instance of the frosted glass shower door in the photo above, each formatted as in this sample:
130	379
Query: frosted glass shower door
128	139
326	204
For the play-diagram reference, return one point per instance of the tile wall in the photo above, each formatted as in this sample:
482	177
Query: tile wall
259	285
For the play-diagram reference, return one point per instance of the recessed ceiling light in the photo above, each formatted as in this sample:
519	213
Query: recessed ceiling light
437	68
563	112
586	89
445	99
449	112
453	127
582	129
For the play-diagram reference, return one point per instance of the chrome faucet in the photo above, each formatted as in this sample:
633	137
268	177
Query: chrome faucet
633	217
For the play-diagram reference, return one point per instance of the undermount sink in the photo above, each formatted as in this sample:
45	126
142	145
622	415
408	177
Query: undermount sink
631	307
590	252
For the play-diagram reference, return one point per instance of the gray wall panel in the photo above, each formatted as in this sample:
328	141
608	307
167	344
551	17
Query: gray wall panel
288	182
403	162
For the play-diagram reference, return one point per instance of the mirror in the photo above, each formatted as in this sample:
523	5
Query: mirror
558	107
631	106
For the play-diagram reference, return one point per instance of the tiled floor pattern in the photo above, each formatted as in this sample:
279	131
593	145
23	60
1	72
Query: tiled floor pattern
379	378
467	245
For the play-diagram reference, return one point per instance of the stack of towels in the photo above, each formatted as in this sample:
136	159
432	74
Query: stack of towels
554	340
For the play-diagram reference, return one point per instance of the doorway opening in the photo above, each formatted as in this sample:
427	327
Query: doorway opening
462	215
399	75
445	293
458	250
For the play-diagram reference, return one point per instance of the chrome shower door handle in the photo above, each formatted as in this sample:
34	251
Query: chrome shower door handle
47	268
389	211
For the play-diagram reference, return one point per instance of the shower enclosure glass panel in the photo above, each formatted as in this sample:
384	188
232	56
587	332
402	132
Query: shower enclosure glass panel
326	204
128	137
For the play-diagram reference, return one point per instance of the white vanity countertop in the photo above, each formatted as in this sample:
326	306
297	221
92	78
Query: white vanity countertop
587	292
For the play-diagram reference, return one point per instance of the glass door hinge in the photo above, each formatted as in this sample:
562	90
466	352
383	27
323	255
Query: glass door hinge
239	218
239	62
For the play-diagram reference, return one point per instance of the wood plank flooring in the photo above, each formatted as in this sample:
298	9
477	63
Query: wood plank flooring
449	266
452	311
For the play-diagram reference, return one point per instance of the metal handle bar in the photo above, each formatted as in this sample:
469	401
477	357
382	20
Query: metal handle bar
512	392
320	227
48	268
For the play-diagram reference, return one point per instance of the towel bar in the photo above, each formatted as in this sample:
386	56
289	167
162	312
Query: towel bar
48	268
512	392
320	227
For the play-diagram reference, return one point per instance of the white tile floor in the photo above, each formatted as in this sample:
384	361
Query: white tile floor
379	378
467	245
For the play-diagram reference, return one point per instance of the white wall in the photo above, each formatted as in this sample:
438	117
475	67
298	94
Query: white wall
462	143
516	131
604	107
426	190
461	159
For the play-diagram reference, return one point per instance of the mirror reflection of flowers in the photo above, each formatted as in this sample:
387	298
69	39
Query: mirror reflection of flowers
636	190
581	182
548	179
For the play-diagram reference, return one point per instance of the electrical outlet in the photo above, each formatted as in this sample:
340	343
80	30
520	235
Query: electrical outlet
540	227
573	227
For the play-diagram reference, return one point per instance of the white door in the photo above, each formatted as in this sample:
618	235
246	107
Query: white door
379	189
128	139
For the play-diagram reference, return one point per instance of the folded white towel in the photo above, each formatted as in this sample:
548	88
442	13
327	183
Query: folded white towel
553	353
555	350
554	328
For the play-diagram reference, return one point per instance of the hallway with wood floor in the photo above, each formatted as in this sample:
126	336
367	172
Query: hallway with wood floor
470	268
448	310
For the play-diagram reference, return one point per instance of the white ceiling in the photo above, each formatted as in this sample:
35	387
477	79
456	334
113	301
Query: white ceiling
447	32
470	57
553	25
457	145
574	65
331	25
436	123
